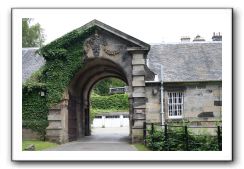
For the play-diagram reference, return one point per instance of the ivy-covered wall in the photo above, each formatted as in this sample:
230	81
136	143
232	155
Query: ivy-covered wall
64	57
35	111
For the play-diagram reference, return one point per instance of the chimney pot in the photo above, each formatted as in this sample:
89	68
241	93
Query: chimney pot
198	38
217	36
185	39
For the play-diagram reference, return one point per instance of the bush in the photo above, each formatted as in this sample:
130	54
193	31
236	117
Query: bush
155	140
175	140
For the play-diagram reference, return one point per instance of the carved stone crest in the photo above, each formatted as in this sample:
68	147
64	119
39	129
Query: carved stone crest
110	52
95	44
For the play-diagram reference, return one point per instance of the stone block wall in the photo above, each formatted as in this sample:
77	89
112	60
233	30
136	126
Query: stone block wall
138	95
28	134
201	101
57	130
153	103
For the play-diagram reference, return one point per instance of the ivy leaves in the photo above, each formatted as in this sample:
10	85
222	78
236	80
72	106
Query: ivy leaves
63	59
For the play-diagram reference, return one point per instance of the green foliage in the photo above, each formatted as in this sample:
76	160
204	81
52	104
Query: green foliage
210	143
32	36
107	104
176	139
34	111
64	58
155	140
102	87
116	102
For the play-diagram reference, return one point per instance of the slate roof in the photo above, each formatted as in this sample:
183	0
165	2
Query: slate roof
187	61
182	62
31	62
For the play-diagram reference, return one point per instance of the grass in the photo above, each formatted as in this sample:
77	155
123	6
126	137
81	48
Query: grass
141	147
39	145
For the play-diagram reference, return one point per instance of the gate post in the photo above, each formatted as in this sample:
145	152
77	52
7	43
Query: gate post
138	93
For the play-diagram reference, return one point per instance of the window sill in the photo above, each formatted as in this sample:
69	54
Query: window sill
175	117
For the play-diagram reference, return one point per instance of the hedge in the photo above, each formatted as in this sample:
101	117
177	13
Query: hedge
115	102
175	141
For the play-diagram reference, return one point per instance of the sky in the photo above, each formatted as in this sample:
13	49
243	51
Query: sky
149	25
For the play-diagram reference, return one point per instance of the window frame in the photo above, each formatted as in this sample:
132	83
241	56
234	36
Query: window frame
174	102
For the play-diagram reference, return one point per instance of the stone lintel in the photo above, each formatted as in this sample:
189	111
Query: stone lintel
54	117
138	62
139	94
139	116
139	78
138	67
139	111
139	89
139	106
138	83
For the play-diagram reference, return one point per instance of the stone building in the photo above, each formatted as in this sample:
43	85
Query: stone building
190	90
192	82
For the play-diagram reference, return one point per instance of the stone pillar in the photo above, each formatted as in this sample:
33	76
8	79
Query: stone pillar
138	95
57	131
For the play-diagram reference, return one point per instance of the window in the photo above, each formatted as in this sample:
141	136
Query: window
175	104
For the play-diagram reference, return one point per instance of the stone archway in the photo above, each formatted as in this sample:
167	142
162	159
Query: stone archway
79	91
108	53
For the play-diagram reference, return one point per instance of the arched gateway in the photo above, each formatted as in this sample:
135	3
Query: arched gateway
107	53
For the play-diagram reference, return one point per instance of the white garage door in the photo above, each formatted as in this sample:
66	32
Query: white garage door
97	121
111	121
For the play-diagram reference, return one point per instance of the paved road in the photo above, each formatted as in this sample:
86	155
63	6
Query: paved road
102	139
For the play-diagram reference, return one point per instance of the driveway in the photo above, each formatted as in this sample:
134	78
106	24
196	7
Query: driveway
102	139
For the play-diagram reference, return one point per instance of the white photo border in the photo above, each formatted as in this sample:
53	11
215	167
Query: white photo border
19	155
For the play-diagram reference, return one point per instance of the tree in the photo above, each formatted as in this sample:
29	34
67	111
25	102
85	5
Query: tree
102	87
32	35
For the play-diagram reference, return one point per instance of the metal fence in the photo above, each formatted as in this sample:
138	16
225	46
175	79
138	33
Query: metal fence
182	137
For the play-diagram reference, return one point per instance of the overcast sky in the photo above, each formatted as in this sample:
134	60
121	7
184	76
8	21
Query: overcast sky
148	25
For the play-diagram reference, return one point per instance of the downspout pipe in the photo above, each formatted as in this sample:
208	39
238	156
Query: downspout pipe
162	97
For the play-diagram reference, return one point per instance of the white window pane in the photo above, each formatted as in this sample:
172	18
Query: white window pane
175	103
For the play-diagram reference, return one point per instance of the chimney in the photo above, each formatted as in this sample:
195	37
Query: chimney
185	39
217	37
198	38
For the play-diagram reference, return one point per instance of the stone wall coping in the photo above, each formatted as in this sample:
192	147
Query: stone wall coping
113	113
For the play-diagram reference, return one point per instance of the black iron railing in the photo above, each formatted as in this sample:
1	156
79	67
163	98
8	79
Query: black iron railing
182	137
